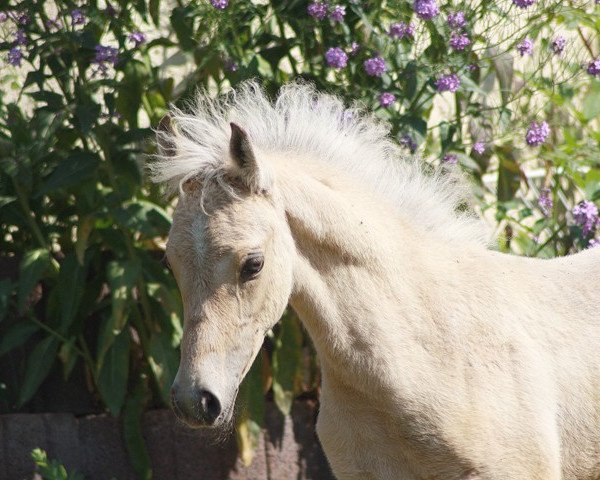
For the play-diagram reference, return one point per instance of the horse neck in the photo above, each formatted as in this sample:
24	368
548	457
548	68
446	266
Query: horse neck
355	256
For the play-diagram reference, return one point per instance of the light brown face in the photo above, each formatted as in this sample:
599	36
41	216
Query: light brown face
234	270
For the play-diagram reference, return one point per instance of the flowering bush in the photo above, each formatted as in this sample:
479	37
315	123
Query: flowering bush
507	91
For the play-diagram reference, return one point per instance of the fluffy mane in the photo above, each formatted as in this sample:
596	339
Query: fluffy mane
319	126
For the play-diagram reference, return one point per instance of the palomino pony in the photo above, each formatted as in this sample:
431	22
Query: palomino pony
440	358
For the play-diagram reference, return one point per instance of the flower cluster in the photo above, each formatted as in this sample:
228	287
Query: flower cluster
459	41
426	9
77	17
479	148
450	159
219	4
523	3
336	57
338	12
406	141
537	133
137	38
585	215
525	47
594	67
386	99
545	201
448	83
558	44
15	56
457	20
401	30
318	10
375	66
104	57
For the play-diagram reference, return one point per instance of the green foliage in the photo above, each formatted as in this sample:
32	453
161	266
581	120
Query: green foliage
52	469
86	231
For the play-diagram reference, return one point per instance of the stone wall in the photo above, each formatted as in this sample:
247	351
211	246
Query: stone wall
93	446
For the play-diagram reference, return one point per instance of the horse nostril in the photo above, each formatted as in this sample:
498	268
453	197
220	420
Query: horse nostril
210	407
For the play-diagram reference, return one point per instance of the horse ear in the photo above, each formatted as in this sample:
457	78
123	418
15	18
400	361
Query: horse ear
248	169
164	137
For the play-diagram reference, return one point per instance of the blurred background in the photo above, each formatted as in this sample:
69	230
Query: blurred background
90	318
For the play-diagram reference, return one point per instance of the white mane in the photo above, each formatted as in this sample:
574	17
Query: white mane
318	125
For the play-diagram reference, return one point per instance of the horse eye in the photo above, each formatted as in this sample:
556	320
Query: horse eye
252	267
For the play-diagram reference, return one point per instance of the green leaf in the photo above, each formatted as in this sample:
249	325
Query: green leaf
86	115
71	171
164	361
33	266
591	104
39	364
132	431
182	20
52	99
71	285
145	217
112	378
5	292
17	335
122	277
251	419
154	7
286	362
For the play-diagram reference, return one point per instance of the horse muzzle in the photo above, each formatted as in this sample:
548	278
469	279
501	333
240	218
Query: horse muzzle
197	407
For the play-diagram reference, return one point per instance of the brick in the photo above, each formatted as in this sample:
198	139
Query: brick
21	434
106	457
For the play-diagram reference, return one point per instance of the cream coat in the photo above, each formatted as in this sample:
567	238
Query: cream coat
441	359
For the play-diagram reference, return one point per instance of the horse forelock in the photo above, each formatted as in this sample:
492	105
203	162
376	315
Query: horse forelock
316	126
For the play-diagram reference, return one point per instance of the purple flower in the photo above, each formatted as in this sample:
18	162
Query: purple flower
407	142
457	20
426	9
545	201
354	48
459	41
105	55
479	147
336	57
3	17
448	83
14	56
401	30
219	4
22	18
523	3
586	215
594	67
450	159
558	44
317	10
375	67
53	24
537	133
386	99
472	67
593	243
138	38
77	17
20	37
338	12
525	47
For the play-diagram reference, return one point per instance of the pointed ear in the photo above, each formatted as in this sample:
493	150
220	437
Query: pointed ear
247	168
164	137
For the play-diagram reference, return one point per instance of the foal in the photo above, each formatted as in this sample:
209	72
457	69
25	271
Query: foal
441	359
